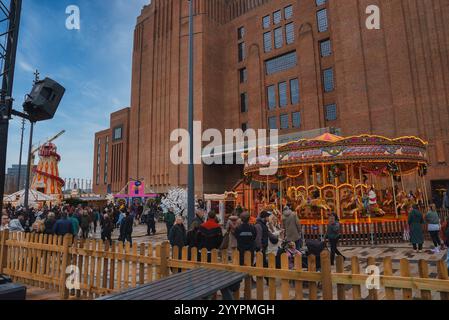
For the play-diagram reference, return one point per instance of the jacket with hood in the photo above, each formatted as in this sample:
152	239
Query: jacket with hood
210	235
292	226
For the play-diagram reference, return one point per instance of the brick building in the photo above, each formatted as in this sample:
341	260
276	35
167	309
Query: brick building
111	155
287	64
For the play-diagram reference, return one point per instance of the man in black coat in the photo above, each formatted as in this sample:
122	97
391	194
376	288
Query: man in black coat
150	220
178	236
246	237
126	229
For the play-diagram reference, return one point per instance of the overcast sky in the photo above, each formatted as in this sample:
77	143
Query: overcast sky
93	64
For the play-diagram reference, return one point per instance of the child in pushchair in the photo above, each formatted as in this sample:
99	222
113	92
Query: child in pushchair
314	247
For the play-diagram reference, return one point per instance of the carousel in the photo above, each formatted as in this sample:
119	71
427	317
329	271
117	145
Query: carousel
361	179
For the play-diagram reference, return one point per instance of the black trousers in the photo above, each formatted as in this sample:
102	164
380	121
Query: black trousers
105	237
169	226
127	237
151	227
435	235
95	226
334	249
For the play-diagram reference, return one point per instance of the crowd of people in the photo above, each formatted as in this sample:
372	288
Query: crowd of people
268	233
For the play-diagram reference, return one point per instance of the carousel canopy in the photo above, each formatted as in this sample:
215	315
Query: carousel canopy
33	196
375	154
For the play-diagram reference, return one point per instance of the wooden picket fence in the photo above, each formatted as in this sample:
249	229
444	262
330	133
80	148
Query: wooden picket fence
47	262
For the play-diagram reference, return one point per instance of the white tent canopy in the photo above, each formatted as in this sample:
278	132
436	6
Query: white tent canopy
34	196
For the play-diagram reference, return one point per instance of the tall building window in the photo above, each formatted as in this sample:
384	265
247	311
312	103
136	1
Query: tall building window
325	48
284	121
244	102
244	126
243	75
97	180
106	161
273	123
281	63
266	22
294	91
118	134
278	38
241	51
328	80
241	33
267	41
290	33
271	93
296	120
322	20
277	17
288	12
331	112
283	94
320	2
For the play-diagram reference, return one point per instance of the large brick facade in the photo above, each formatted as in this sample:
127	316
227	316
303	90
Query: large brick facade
392	82
111	155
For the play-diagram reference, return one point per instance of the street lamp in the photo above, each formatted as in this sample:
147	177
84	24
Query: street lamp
191	170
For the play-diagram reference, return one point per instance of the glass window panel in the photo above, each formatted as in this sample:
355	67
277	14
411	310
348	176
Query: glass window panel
320	2
322	20
241	33
277	17
284	121
331	112
271	92
288	12
290	33
325	48
283	94
328	79
294	91
281	63
244	102
273	123
241	51
267	42
243	75
296	119
278	38
266	22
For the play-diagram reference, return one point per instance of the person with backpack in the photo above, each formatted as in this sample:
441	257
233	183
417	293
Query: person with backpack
434	226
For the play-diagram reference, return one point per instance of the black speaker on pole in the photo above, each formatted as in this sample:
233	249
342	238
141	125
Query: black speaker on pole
43	101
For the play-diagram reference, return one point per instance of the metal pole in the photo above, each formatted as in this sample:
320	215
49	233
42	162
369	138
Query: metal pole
7	86
20	155
394	197
191	170
27	184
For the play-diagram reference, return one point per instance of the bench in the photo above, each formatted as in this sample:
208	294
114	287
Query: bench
196	284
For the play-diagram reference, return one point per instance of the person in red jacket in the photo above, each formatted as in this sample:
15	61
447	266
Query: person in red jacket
210	234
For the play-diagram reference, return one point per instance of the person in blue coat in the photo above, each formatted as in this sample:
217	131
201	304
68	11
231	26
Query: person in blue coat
416	221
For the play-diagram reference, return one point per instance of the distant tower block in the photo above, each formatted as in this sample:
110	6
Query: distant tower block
46	175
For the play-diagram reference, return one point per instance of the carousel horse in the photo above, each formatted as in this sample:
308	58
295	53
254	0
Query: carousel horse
403	201
311	204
